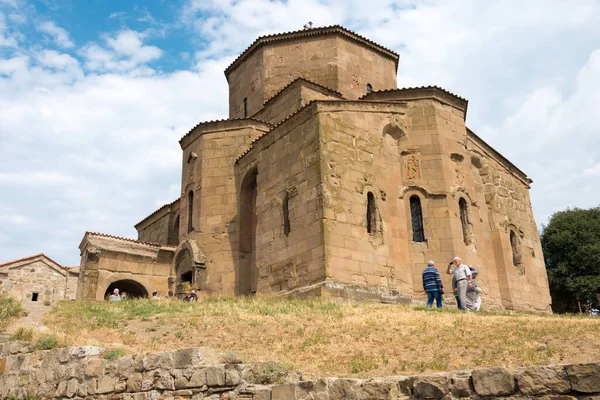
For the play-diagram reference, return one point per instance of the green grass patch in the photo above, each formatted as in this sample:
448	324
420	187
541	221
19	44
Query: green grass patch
361	362
22	334
114	353
47	342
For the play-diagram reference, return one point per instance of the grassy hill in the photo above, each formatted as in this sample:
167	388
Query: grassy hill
331	338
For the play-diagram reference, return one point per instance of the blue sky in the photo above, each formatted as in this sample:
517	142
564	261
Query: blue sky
94	96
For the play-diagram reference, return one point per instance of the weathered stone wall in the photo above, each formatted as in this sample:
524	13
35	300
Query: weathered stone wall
83	373
418	147
503	193
106	260
358	66
210	175
358	159
72	279
333	61
287	165
37	276
247	82
162	226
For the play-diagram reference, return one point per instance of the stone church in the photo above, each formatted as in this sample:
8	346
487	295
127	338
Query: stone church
328	180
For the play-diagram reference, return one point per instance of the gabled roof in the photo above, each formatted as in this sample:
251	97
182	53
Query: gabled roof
326	30
300	79
33	258
411	93
156	211
153	244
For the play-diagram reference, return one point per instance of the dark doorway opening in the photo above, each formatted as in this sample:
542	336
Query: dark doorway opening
187	277
135	290
34	297
248	271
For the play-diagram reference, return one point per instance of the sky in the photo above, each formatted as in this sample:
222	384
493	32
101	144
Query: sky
95	95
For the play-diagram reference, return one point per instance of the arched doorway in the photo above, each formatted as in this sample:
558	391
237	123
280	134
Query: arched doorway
247	279
184	270
135	290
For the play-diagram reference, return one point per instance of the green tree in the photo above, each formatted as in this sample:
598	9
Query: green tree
571	245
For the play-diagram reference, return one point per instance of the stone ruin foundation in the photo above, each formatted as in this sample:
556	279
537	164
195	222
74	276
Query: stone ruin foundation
83	373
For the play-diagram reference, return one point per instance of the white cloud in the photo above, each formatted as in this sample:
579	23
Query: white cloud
91	134
58	34
5	39
124	52
118	14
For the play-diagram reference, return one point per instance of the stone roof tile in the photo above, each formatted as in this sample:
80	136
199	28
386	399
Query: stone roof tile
221	120
414	88
128	239
262	40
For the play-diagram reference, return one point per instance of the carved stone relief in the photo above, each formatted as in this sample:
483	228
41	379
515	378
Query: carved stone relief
412	169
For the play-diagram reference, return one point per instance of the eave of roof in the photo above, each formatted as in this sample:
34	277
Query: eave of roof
326	30
312	102
156	212
500	156
153	244
29	258
300	79
464	103
206	123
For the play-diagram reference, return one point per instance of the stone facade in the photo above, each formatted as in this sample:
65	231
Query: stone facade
38	278
189	374
136	267
329	181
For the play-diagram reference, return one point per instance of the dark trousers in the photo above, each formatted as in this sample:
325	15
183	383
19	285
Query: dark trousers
434	294
458	302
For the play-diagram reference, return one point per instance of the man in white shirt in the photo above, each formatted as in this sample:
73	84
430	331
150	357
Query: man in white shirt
115	296
464	279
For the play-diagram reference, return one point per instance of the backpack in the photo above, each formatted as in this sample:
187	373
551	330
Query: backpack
474	271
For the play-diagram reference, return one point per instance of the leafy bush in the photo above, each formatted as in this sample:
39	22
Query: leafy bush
269	373
22	334
47	342
47	302
571	245
231	357
114	353
10	308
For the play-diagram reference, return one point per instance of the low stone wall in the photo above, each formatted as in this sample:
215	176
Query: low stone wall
82	372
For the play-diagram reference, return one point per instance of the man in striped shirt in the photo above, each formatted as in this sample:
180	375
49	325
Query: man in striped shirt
432	284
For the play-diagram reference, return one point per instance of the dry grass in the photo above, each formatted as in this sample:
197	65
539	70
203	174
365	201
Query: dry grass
332	338
10	309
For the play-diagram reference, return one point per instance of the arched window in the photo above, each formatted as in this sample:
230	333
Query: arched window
514	244
416	215
245	107
369	88
190	210
371	214
286	214
464	220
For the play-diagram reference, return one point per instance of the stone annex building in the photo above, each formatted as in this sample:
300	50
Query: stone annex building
38	278
328	180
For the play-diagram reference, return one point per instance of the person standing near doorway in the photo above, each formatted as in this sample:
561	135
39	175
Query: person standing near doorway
115	296
432	284
464	280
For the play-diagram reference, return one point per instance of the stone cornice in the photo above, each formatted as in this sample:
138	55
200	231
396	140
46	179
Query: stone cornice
306	33
418	93
222	125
